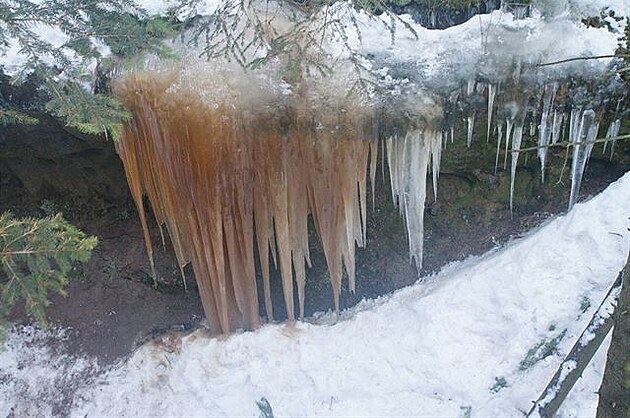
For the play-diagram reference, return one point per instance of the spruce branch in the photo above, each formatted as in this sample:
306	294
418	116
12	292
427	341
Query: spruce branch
10	116
36	258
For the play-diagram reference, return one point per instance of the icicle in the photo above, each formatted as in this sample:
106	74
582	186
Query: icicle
471	125
516	145
546	127
582	138
556	132
611	132
408	159
470	87
436	155
509	124
574	124
492	92
499	135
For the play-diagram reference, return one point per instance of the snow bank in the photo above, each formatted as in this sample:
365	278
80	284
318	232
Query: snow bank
465	340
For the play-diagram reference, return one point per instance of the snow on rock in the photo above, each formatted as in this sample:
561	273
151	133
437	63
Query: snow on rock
448	345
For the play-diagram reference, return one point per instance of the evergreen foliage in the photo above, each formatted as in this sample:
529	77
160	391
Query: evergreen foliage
290	31
36	258
87	112
10	116
98	35
623	51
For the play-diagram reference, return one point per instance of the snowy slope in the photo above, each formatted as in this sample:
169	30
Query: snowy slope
455	343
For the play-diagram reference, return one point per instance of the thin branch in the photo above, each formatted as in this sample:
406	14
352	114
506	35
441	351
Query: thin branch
569	144
595	57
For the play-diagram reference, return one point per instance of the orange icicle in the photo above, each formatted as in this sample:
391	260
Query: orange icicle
232	174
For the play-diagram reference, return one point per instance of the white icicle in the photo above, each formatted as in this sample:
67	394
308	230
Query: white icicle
583	138
408	159
613	131
499	135
470	88
614	141
471	126
492	92
516	145
436	156
556	132
545	128
574	124
509	124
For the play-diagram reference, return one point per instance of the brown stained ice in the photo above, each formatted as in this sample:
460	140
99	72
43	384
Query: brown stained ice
230	176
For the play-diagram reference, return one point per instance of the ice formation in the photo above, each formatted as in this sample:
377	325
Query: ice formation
231	160
583	135
408	159
241	168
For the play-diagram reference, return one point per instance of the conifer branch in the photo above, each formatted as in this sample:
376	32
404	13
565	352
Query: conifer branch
36	258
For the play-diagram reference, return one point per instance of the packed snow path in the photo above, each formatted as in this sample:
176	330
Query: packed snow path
483	337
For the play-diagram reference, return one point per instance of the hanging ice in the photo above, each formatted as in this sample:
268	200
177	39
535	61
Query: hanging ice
582	139
509	124
516	146
471	126
546	127
612	132
436	156
492	92
499	135
408	159
556	132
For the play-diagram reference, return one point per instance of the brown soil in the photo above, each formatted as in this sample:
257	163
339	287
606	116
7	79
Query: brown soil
114	307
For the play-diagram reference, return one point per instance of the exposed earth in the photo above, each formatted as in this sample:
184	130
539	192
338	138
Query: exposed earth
113	308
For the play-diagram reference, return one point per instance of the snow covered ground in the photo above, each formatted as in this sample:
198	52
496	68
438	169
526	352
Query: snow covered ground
481	338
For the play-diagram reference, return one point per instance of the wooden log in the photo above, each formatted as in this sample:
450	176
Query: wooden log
579	357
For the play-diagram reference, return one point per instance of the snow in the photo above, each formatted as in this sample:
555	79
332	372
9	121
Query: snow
582	400
451	343
604	312
13	60
486	44
33	378
160	7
